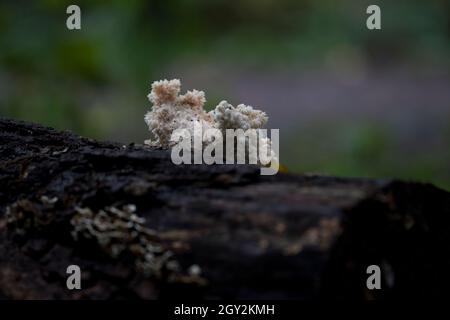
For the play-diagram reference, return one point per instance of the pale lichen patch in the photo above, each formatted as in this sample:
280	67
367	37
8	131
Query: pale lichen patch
121	231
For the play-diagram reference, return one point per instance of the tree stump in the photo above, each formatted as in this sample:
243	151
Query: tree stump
220	231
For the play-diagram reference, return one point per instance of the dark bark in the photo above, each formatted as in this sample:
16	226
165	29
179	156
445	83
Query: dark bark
285	236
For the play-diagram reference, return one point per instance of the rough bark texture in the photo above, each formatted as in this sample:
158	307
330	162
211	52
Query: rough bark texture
285	236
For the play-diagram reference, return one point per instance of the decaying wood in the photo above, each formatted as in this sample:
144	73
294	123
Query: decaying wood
213	231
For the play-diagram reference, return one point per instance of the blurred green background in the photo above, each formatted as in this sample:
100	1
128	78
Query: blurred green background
348	101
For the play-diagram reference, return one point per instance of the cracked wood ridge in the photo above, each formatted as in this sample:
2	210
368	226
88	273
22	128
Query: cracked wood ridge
140	227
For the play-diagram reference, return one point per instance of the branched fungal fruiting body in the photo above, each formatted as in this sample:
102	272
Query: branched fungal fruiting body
171	111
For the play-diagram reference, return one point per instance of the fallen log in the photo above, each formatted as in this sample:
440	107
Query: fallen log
140	227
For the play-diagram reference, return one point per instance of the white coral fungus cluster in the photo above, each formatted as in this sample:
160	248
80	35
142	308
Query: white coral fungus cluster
171	111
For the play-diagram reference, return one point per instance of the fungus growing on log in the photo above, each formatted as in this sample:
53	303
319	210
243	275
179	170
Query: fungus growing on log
172	111
233	233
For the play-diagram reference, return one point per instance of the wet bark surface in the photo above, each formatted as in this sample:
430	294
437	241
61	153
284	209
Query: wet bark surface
210	231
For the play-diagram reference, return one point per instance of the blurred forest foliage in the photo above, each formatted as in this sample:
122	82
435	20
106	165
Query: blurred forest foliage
94	81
